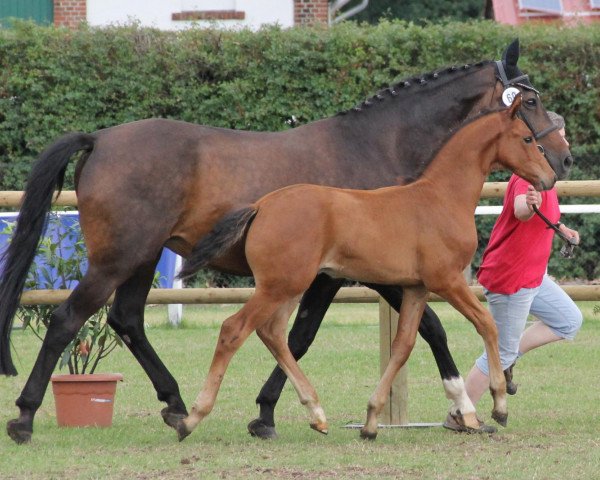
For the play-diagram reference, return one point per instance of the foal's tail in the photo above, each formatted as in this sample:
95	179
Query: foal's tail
224	235
46	176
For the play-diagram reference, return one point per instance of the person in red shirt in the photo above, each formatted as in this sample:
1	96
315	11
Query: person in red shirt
514	275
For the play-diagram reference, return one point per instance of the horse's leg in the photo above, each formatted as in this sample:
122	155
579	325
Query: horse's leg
234	331
273	336
126	317
312	309
92	292
411	311
460	297
433	333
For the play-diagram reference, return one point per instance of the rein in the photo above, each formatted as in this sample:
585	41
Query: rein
518	82
567	250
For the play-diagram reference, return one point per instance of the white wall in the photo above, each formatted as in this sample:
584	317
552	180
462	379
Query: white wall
157	13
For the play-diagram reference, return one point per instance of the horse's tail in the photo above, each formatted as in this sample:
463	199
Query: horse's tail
225	234
46	176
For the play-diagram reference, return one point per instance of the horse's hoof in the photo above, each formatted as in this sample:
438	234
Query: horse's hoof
182	430
320	427
19	433
257	428
367	435
172	419
501	418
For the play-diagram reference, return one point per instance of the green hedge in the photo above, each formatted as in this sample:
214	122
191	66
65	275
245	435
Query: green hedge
57	80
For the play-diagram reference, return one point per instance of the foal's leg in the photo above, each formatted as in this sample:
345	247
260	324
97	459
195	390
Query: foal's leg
411	311
432	331
234	331
312	309
92	292
460	297
126	317
273	336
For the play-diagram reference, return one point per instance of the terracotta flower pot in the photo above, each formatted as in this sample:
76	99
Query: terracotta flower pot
85	400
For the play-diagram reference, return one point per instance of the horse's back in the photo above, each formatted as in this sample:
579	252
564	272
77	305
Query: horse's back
173	179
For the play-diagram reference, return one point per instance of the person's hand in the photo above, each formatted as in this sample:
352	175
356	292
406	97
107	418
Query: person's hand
572	235
533	197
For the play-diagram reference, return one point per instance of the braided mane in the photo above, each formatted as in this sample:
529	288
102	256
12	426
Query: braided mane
409	84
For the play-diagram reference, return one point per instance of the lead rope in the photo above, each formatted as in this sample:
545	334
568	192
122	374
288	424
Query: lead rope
570	243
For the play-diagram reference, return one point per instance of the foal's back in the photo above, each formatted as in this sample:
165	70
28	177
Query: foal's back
370	236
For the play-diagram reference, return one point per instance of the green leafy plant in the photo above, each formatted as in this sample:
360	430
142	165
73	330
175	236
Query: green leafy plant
64	258
57	80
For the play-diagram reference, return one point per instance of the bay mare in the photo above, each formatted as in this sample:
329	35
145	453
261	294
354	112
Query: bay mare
419	237
154	183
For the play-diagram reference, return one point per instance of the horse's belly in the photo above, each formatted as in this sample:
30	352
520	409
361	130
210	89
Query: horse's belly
388	273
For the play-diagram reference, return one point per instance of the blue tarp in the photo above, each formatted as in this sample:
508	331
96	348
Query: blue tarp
69	228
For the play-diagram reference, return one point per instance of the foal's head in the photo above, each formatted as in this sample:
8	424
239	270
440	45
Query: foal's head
519	152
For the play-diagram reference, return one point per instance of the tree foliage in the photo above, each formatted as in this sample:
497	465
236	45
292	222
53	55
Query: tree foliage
420	11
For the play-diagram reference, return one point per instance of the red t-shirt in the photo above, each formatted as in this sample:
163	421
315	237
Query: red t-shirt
517	254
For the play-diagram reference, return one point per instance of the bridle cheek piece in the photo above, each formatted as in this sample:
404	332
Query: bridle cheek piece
517	82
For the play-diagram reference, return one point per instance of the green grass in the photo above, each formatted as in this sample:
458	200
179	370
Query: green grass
553	431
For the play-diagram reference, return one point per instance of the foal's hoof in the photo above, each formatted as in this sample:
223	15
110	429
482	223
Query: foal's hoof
258	428
18	432
172	419
182	430
367	435
501	418
320	427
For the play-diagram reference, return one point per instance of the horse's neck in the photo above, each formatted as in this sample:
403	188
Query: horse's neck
460	168
405	131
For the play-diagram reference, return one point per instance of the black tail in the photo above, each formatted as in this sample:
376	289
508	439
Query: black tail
225	234
46	176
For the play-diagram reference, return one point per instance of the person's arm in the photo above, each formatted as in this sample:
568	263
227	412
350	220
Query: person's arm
523	208
523	204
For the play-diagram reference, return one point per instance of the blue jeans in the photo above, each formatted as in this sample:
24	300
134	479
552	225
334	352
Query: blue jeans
548	302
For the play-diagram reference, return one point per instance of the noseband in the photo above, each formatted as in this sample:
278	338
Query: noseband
517	82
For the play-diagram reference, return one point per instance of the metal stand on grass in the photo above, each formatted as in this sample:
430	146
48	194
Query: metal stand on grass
395	412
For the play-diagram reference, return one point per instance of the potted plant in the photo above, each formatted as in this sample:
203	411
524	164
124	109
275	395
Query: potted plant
82	397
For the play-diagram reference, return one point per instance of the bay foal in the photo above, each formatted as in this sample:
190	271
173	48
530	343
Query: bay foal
354	234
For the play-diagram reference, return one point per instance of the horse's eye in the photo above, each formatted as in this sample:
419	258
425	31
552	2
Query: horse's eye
531	102
528	139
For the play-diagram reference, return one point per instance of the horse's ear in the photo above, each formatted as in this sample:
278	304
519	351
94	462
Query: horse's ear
511	54
515	106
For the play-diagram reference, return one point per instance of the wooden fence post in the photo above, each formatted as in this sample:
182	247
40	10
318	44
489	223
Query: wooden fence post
395	411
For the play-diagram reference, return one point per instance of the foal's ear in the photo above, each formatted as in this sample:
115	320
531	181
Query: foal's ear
515	106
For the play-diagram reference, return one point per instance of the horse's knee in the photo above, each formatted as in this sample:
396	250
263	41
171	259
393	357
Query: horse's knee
62	327
116	321
229	336
299	344
128	324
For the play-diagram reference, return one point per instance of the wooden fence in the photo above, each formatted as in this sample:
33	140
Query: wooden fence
575	188
396	411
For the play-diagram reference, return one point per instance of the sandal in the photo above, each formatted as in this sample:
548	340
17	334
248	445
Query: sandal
453	424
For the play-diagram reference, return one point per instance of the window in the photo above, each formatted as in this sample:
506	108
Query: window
547	6
595	3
